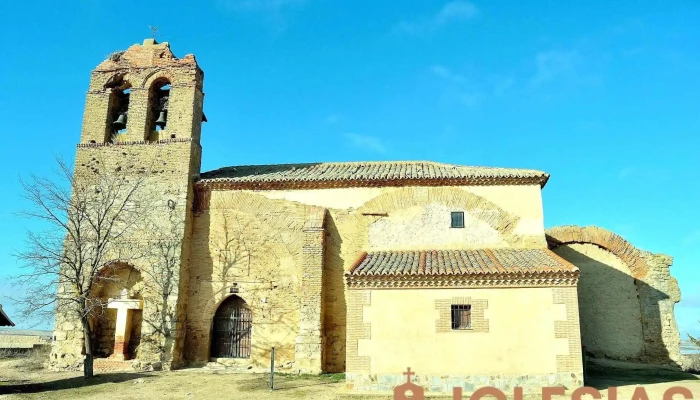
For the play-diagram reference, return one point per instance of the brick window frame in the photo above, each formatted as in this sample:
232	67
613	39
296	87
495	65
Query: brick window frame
479	324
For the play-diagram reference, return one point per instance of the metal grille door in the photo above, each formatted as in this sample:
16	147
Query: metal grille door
231	331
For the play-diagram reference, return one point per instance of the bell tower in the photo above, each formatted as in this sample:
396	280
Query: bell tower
143	118
144	94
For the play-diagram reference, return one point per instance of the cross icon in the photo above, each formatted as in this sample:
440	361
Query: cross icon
408	374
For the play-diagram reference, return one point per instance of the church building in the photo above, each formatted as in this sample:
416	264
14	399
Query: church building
366	268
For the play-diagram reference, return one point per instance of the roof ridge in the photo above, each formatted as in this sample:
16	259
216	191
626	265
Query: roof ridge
477	262
365	174
431	162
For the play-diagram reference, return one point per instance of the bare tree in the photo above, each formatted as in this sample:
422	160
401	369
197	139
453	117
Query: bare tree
694	340
87	222
163	254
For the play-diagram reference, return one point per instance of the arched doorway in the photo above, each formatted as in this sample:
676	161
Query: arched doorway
111	282
231	329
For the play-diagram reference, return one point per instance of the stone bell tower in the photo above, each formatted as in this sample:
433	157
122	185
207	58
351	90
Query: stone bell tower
143	117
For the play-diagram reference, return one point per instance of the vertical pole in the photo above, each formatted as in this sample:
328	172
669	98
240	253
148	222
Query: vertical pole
272	369
583	356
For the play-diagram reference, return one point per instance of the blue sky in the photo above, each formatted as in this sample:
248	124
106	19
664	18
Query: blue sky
603	95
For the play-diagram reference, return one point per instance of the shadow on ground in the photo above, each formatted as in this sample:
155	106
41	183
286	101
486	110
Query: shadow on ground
602	377
70	383
288	382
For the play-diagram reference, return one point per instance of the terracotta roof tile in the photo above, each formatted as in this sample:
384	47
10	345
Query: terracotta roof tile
4	319
460	262
357	174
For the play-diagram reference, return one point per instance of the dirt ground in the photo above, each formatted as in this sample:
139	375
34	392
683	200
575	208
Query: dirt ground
20	379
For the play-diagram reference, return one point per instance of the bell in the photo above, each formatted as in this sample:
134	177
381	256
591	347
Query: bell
120	122
162	120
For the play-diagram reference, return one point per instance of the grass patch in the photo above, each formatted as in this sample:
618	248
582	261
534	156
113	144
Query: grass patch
31	359
327	377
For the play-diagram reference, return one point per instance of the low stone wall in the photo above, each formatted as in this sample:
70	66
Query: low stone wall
23	342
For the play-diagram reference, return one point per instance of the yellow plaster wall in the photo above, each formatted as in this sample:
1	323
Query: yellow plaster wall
428	227
520	341
524	201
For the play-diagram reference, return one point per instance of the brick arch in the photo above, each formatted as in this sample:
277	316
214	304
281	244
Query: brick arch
213	304
603	238
123	76
151	77
113	265
501	221
111	278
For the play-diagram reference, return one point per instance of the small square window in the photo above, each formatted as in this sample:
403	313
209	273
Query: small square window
457	219
461	316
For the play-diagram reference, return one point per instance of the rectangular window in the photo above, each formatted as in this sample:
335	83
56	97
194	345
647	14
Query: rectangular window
457	219
461	316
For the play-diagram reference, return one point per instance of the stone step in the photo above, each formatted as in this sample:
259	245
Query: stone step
109	365
215	365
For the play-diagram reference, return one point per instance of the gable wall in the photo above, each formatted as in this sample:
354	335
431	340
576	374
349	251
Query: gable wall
520	336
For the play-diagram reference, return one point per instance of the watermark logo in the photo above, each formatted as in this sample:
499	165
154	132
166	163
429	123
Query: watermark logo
410	390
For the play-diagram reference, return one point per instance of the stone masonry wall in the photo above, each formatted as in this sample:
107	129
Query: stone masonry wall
271	252
610	318
626	295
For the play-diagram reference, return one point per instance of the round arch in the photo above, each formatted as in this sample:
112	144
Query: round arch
113	279
603	238
498	219
156	75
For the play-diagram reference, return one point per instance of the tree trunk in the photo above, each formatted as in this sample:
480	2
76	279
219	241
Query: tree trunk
87	334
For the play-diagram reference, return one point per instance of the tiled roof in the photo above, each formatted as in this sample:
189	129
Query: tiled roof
363	174
4	319
460	262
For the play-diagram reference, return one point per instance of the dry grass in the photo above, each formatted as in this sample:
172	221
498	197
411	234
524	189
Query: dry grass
691	363
29	360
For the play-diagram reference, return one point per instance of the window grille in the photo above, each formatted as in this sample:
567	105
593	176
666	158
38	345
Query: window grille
461	316
457	219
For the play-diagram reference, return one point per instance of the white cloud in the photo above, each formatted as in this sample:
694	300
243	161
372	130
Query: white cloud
332	119
625	173
692	238
273	12
458	87
261	5
556	64
502	84
469	99
446	73
454	11
366	142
